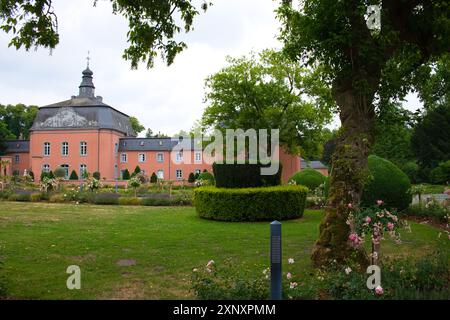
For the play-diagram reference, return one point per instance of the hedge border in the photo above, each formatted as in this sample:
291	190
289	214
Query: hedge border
250	204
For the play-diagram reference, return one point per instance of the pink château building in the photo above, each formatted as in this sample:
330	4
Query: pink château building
85	134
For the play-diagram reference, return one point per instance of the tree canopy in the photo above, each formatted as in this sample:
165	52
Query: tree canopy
268	91
18	119
372	52
136	125
431	137
153	25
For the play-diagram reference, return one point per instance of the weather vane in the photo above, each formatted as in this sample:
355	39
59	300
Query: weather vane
88	58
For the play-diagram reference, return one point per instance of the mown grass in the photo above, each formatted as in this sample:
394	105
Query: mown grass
38	241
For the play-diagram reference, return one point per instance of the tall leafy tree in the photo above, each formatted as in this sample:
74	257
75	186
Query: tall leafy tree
267	91
431	138
149	133
136	125
393	129
18	118
367	62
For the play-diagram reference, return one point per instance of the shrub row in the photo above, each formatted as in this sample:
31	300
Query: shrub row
105	198
250	204
244	176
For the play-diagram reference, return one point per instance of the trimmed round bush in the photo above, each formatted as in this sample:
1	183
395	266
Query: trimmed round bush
388	183
60	172
250	204
206	176
309	177
244	175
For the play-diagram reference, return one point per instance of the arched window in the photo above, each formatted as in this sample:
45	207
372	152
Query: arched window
83	148
65	148
66	169
83	171
46	148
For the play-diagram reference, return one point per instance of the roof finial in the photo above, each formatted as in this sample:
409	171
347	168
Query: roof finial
88	58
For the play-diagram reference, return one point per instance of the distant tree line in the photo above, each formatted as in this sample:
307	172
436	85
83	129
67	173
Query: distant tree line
15	122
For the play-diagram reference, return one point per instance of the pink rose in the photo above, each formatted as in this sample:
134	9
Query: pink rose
289	276
350	206
380	202
379	290
390	226
352	237
368	219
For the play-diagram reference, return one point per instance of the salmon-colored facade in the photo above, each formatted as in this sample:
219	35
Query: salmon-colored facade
84	134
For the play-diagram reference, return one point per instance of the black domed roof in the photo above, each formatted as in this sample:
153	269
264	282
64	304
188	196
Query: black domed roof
87	72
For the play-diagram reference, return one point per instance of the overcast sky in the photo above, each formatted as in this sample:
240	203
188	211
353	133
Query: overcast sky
166	99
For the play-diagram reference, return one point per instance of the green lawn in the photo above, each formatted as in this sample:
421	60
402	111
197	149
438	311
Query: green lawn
38	241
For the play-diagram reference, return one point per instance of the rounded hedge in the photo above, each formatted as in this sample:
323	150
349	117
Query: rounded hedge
206	176
250	204
388	183
309	177
245	175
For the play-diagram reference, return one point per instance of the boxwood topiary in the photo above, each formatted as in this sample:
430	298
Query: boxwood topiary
386	182
207	176
250	204
309	177
244	175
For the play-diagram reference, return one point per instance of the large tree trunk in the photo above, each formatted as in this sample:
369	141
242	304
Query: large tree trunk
349	170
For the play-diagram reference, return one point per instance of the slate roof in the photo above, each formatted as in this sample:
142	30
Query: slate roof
84	111
314	164
17	146
81	113
153	144
78	102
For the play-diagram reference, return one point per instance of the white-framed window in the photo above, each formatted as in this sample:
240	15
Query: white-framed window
198	171
123	157
116	148
198	157
179	174
66	169
83	170
179	157
160	157
160	174
46	148
46	168
65	148
83	148
141	157
16	158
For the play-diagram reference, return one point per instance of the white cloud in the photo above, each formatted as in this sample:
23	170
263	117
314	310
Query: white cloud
166	99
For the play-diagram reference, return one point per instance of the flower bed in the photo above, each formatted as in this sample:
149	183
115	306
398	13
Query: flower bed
250	204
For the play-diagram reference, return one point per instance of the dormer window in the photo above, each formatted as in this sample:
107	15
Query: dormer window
141	143
160	142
